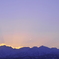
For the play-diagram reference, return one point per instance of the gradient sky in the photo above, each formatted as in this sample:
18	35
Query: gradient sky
29	23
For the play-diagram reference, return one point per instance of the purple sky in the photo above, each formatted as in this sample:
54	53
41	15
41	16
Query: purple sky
29	22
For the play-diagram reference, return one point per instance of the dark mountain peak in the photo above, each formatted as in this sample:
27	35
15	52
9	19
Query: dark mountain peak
35	47
5	47
54	48
43	46
25	48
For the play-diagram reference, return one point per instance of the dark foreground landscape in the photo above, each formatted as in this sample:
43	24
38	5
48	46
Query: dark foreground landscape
29	53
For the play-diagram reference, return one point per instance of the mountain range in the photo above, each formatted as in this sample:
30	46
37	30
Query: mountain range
41	52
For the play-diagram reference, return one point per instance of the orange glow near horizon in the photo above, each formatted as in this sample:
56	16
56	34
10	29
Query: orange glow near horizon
19	40
11	46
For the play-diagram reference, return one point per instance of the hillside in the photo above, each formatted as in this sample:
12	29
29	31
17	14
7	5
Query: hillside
41	52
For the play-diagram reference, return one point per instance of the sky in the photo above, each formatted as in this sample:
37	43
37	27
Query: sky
29	23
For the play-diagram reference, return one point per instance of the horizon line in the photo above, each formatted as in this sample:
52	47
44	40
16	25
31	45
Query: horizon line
23	46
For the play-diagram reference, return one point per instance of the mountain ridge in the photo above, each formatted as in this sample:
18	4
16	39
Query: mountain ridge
7	51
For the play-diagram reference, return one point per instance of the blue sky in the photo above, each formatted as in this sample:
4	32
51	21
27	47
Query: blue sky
29	22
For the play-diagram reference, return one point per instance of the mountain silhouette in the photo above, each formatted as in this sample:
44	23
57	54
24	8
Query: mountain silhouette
41	52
